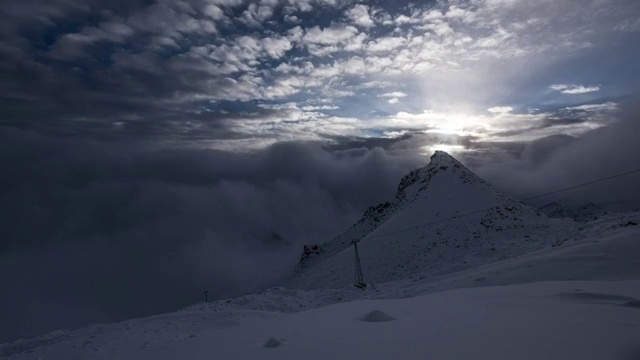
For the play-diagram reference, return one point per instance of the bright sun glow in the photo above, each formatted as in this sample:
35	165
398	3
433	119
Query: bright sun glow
452	123
451	149
444	123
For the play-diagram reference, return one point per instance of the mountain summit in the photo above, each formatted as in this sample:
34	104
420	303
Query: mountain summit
443	218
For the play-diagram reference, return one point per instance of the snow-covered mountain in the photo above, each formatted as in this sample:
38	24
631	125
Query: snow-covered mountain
468	222
570	209
456	288
577	300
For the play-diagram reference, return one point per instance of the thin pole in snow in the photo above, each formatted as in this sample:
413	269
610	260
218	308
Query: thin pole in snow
359	278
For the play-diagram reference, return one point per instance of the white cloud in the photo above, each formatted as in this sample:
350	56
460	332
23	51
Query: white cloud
501	3
337	37
395	94
574	89
359	15
608	106
629	25
385	44
72	45
333	35
500	109
165	41
442	122
331	92
292	19
320	107
377	84
214	12
290	122
271	3
450	51
276	47
455	12
227	3
404	19
295	34
451	56
298	5
430	15
356	43
354	66
170	19
505	126
255	15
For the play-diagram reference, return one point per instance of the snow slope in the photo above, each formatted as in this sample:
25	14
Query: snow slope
557	320
566	208
433	194
540	320
609	255
562	320
608	252
503	284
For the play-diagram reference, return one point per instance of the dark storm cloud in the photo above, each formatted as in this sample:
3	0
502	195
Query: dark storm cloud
345	143
540	151
92	65
95	232
407	144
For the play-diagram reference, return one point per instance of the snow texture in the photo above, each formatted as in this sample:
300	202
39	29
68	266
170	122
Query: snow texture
576	211
433	194
272	342
508	283
557	303
377	316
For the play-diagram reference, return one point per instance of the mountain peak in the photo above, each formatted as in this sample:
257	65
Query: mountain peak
440	157
419	179
423	229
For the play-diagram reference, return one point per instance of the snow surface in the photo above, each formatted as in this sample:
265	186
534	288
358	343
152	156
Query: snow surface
588	307
561	320
508	283
566	208
433	194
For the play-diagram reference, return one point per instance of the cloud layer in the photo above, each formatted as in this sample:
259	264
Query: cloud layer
560	161
155	149
574	89
94	232
223	72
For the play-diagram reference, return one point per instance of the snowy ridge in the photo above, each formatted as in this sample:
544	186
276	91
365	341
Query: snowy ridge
441	190
234	329
376	215
457	289
577	212
480	320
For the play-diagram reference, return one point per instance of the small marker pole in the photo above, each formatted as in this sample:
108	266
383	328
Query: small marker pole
206	297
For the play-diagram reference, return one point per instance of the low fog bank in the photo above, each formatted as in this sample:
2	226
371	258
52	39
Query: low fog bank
561	161
98	232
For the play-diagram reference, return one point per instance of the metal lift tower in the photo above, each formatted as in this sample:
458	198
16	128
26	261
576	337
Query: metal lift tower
359	279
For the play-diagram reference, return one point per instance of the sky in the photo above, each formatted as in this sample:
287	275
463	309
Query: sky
154	149
238	75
